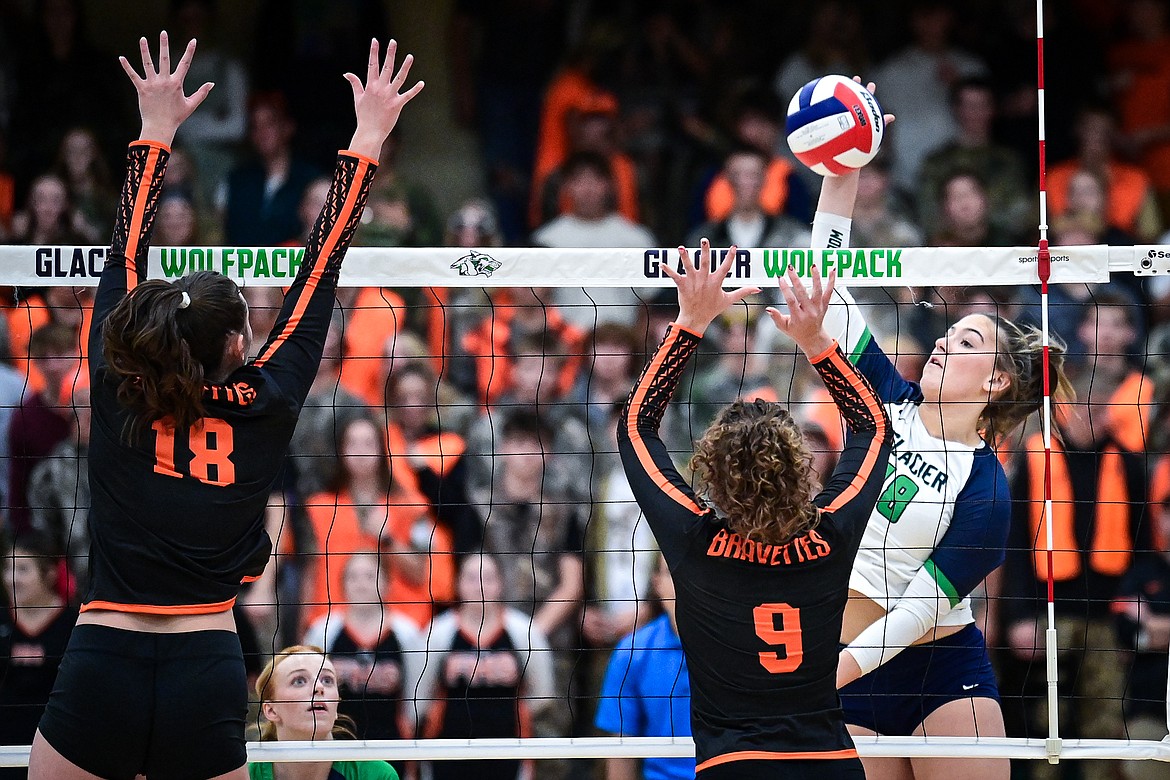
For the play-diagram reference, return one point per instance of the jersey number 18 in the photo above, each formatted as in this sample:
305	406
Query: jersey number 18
209	441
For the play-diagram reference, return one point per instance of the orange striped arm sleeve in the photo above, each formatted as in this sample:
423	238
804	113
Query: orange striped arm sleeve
669	503
859	474
292	353
146	162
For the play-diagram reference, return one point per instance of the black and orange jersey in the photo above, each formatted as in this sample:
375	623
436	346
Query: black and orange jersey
376	709
759	623
177	517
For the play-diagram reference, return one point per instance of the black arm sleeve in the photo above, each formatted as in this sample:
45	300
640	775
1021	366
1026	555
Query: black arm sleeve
670	505
293	351
125	267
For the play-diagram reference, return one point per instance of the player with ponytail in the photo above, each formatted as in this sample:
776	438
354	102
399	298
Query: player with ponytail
187	442
164	341
913	660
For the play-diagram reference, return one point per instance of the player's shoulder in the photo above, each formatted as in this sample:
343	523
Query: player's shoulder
248	390
987	473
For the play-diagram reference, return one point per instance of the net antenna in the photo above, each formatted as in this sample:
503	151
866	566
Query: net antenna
1044	270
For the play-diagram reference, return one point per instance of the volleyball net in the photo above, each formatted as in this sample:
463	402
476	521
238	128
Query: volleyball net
491	379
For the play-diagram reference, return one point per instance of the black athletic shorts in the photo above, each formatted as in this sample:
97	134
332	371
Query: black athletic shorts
788	769
164	705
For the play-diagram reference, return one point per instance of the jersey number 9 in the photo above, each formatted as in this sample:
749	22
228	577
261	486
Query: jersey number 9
786	636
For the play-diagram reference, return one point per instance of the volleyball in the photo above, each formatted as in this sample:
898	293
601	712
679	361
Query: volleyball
834	125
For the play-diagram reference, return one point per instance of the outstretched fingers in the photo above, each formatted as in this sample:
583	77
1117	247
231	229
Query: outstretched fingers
817	287
779	319
826	296
725	267
133	74
786	290
356	84
409	94
147	62
200	95
400	77
164	53
673	274
703	264
387	72
373	66
872	87
185	61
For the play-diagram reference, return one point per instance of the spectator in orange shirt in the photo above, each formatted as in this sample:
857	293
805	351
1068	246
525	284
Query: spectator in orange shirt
519	313
591	128
1140	71
1131	203
368	508
423	413
70	307
573	90
373	315
747	224
758	122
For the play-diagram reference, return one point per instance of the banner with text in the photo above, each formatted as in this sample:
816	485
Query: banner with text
535	267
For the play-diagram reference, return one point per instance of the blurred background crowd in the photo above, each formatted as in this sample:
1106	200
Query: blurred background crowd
445	424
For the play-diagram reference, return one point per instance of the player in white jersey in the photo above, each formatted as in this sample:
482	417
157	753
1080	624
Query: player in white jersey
914	662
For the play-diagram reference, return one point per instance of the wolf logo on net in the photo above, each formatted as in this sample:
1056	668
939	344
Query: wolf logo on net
476	264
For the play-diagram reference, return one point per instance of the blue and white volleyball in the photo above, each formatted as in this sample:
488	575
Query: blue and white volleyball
834	125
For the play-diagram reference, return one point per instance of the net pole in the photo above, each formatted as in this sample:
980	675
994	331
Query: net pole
1044	270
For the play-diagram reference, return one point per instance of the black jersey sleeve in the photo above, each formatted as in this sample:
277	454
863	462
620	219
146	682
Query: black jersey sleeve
146	162
292	353
852	491
669	503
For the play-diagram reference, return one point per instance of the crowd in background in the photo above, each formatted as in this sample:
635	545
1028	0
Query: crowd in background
444	424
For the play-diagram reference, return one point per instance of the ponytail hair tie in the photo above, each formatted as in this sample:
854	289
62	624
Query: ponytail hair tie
186	300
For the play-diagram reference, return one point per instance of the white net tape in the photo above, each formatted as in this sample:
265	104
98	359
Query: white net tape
527	267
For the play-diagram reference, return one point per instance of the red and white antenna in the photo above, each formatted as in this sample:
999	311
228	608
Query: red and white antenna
1044	269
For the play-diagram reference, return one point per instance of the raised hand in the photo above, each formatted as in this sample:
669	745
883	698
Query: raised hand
872	87
839	193
161	101
378	103
805	320
701	297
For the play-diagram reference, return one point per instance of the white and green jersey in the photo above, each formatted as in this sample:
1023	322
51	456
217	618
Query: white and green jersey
941	521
